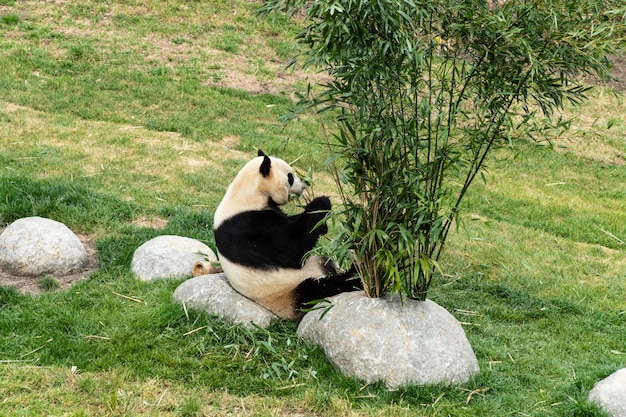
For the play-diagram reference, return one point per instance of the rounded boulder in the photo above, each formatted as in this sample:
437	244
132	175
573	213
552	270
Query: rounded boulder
610	394
169	257
36	246
214	295
385	339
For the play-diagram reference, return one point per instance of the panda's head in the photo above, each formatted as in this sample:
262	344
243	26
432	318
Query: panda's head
262	182
278	179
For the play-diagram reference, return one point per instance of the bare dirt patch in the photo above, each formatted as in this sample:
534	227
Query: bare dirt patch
153	223
242	73
583	139
619	73
31	286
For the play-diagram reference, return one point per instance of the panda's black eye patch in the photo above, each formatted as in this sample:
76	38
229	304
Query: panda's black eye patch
290	179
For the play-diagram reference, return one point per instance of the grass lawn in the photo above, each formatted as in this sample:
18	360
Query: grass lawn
127	120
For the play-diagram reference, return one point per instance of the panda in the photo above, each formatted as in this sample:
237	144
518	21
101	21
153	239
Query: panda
262	250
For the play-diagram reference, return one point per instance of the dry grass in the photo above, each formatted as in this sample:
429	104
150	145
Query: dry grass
596	127
148	167
147	160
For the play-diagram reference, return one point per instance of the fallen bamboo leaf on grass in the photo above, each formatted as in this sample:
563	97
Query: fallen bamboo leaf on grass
474	392
611	235
195	330
93	336
36	350
126	297
289	386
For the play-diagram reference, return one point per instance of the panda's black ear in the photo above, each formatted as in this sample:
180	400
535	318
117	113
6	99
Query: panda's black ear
260	153
266	165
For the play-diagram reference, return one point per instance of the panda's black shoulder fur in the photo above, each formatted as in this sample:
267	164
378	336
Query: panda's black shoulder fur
270	239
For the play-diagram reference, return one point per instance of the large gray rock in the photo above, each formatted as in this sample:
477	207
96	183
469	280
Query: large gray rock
169	257
380	339
214	295
610	394
36	246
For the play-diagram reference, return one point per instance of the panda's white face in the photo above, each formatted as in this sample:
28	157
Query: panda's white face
280	182
261	181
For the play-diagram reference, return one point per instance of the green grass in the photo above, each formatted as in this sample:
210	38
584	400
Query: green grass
118	115
48	283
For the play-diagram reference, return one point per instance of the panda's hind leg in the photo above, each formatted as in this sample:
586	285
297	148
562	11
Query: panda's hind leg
314	289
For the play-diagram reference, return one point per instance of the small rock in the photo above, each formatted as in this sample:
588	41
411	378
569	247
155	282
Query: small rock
380	339
610	394
213	294
36	246
169	257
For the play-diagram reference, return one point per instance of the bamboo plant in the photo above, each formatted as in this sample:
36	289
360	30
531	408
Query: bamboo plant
422	92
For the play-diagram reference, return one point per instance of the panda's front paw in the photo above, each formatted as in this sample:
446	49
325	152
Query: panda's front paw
318	204
318	209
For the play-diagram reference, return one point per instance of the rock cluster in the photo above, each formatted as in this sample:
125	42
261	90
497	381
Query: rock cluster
371	339
610	394
36	246
178	257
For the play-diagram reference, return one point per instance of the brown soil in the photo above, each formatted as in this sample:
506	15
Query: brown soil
31	286
619	74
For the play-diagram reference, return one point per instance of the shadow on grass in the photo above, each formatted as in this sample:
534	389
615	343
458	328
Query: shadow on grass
71	203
